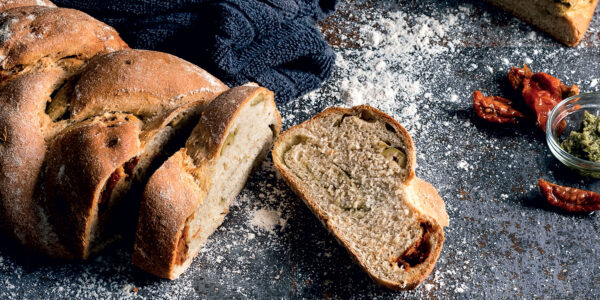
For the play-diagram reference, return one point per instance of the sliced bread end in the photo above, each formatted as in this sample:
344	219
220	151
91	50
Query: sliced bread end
188	197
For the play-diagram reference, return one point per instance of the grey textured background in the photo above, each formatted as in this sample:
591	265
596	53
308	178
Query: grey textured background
503	242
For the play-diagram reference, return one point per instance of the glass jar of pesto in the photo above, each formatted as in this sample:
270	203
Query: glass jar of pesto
573	133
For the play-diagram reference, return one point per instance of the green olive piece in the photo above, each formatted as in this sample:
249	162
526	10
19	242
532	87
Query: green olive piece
396	154
257	101
228	140
381	145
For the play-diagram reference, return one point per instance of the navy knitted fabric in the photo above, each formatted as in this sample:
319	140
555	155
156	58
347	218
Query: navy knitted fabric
272	42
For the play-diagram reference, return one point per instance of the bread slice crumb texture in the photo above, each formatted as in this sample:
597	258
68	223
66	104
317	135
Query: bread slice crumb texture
353	167
247	142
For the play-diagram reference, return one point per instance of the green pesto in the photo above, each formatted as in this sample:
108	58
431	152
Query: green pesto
585	143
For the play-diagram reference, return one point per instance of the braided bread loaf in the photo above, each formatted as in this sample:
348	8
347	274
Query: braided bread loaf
85	121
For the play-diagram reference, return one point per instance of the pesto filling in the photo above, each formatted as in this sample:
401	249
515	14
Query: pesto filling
585	142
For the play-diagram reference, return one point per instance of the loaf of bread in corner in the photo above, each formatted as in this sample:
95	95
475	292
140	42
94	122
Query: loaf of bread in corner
355	169
565	20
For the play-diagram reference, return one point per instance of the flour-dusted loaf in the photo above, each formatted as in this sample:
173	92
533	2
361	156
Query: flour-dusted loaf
83	120
40	48
355	169
187	198
89	126
565	20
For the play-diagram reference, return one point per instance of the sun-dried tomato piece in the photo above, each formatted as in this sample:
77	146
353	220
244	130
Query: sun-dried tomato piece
568	198
418	252
495	109
516	76
540	91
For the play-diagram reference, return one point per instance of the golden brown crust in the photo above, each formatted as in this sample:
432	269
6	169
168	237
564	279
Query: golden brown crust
565	20
208	137
169	198
80	161
37	36
98	91
180	184
8	4
41	49
22	152
436	236
426	199
174	82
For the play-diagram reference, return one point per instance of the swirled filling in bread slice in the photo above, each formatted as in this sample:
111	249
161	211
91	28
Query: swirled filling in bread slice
353	168
187	198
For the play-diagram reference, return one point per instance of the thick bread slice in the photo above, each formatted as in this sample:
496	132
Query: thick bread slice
187	198
565	20
354	168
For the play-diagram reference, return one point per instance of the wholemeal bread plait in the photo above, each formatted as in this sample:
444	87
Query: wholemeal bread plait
187	198
565	20
355	169
85	121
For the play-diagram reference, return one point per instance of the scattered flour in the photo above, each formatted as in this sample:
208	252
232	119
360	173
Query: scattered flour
382	71
266	219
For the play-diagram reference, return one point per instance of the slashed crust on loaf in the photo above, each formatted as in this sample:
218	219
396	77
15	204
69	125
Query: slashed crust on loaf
565	20
354	168
187	198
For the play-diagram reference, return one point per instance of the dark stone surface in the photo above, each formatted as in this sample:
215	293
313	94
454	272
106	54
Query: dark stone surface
503	242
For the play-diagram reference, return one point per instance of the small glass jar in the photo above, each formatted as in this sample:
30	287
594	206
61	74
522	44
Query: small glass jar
571	111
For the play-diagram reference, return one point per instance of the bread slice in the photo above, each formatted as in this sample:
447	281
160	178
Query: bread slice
355	169
565	20
187	198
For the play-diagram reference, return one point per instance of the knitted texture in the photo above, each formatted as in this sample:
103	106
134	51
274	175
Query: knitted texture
272	42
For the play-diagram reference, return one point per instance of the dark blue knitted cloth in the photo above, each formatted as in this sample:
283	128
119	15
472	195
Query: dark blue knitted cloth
272	42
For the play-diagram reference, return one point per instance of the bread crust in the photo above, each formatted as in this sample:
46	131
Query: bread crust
80	162
22	153
39	36
182	182
82	153
565	20
33	69
8	4
417	273
99	89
